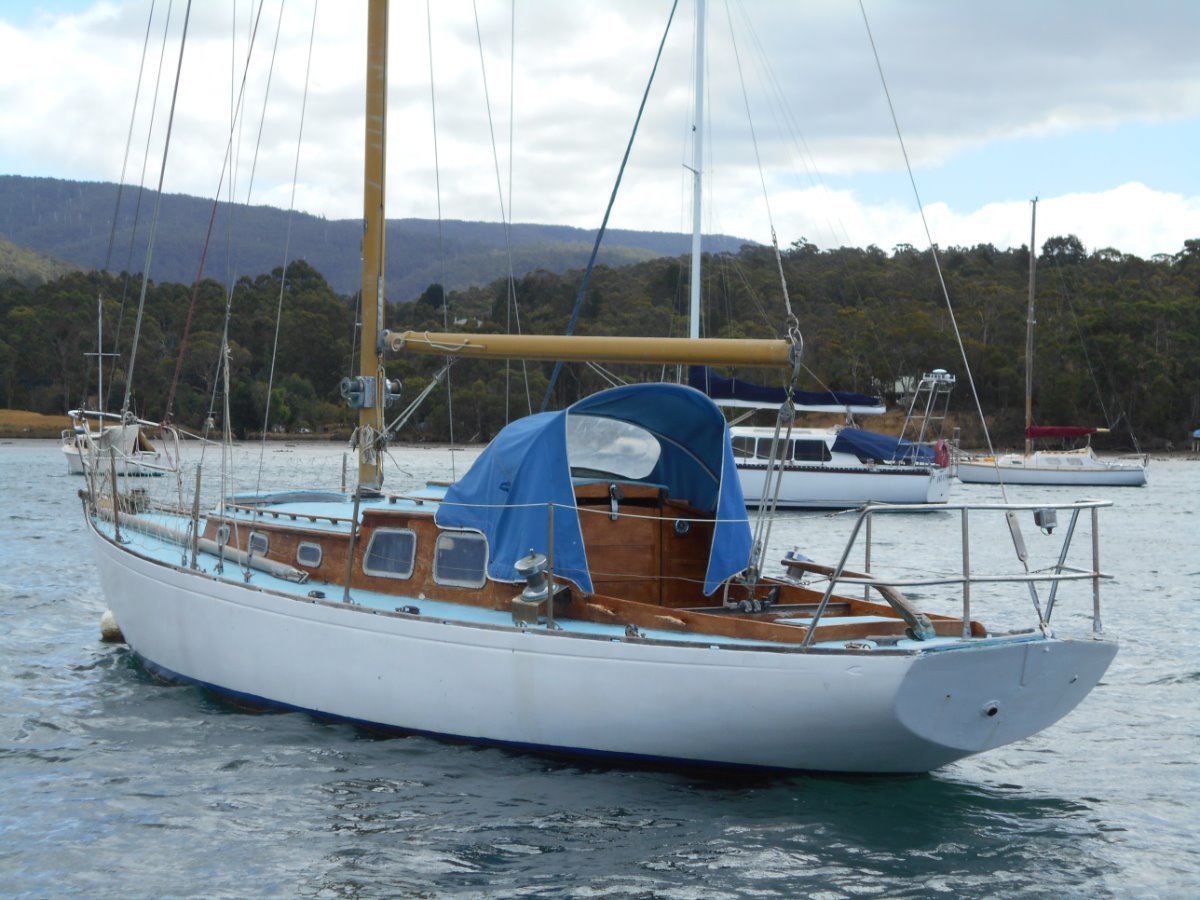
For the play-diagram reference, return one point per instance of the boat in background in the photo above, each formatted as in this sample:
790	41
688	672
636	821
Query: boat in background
840	467
591	586
1077	466
124	445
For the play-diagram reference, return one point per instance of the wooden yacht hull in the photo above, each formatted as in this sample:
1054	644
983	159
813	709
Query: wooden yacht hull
692	702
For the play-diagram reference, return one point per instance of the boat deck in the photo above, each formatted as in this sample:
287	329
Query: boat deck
160	535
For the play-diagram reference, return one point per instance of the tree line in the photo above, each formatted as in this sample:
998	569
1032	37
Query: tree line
1116	345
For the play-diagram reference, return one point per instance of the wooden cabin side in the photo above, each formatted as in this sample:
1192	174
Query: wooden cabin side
660	563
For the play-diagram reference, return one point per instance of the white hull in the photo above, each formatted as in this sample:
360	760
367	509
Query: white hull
817	487
829	478
74	458
599	695
1053	468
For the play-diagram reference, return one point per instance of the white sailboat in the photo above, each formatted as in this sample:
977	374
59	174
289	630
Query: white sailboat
101	439
96	438
840	467
590	586
1078	466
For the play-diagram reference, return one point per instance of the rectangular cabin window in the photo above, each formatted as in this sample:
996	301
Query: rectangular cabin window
810	451
309	554
259	543
764	448
390	553
460	559
743	447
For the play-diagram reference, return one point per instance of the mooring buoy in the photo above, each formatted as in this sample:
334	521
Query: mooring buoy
110	631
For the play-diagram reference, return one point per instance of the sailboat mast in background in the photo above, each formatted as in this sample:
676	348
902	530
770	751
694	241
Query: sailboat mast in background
1030	321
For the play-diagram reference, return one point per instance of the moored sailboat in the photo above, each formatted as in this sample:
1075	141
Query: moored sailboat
590	586
839	467
1077	466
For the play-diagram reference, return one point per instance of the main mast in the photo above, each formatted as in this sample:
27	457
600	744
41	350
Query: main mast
697	175
1029	323
371	413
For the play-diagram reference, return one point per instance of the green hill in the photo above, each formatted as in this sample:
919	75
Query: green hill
71	220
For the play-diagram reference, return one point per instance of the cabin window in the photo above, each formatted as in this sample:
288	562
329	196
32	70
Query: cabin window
259	543
390	553
460	559
743	447
810	451
309	554
764	448
223	535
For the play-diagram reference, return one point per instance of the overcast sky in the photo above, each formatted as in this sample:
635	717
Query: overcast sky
1093	106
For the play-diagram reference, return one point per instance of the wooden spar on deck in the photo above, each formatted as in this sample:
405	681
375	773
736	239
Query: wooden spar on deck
588	348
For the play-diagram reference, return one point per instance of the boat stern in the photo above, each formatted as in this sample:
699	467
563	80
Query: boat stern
980	697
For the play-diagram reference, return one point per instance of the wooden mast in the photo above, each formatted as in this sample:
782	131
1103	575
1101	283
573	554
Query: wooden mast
370	416
1029	323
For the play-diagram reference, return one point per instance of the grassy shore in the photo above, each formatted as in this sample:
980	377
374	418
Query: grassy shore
22	424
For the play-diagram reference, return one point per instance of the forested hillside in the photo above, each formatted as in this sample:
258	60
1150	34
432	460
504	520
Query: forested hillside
1117	341
70	220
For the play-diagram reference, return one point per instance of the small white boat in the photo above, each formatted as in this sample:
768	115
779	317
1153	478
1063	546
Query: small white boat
124	444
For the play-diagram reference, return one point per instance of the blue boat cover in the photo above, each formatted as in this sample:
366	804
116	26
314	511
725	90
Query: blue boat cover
505	494
872	445
718	387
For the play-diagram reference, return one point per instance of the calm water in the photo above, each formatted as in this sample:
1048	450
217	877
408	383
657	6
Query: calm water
112	784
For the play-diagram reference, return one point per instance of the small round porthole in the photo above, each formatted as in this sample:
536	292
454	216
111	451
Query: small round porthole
682	527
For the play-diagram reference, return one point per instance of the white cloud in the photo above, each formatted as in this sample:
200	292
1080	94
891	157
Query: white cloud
964	77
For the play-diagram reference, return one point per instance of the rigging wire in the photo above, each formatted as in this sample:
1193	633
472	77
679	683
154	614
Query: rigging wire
137	208
1013	526
101	401
933	247
226	166
836	227
437	177
287	241
512	306
162	174
112	232
587	273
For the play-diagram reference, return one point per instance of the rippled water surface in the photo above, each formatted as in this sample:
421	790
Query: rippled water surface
113	784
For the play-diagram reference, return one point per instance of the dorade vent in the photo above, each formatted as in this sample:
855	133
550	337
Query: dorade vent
309	554
460	559
390	553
